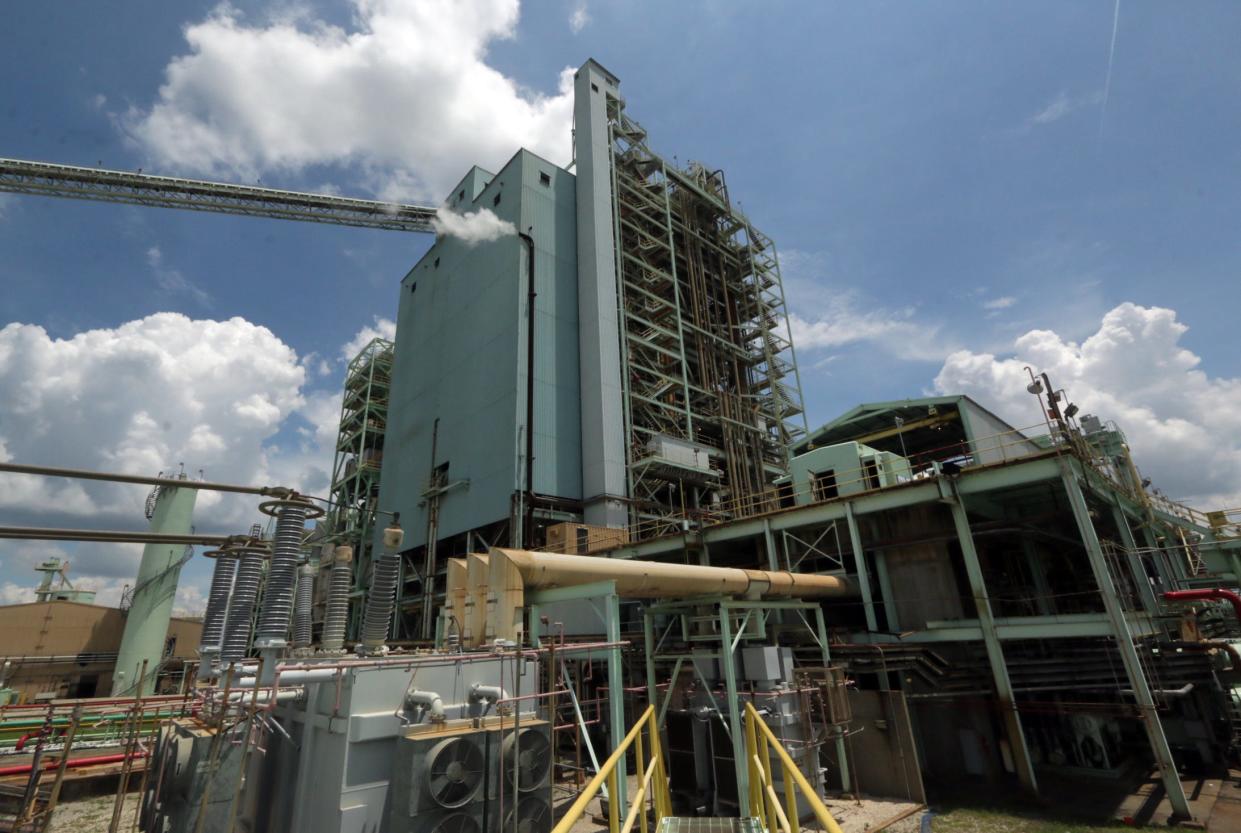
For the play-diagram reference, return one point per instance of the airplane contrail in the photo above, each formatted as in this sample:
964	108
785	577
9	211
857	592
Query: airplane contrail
1111	57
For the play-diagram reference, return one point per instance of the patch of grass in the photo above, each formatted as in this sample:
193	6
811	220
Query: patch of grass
971	820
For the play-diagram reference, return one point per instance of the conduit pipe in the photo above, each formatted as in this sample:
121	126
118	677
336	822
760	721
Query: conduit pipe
1202	595
284	695
1165	692
429	701
487	693
652	580
73	763
318	675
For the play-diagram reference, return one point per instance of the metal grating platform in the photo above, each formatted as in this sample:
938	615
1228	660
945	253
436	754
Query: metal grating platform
671	824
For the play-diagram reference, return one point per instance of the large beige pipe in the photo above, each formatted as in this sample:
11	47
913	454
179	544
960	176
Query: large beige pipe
653	580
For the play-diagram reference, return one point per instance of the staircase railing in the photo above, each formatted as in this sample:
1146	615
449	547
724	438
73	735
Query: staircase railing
653	784
764	803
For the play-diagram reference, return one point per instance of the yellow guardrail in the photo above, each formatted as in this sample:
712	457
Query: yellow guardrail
764	803
652	786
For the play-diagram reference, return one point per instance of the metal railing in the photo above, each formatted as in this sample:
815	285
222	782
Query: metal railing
653	783
764	803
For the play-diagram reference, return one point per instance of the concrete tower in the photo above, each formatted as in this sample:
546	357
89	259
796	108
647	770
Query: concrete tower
155	590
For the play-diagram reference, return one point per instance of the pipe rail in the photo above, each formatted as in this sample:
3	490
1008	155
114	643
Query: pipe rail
142	480
40	533
1206	595
759	741
653	784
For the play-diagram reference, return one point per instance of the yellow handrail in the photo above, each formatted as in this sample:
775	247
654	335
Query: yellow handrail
654	782
764	804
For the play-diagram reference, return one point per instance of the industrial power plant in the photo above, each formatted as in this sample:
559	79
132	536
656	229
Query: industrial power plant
585	565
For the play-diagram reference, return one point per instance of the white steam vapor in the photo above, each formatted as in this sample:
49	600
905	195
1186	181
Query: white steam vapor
481	226
1111	60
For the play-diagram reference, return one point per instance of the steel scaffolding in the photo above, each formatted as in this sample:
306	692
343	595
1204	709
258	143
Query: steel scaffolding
359	453
708	362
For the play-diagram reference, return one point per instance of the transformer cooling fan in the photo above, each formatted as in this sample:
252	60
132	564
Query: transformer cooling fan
534	758
457	823
455	769
534	815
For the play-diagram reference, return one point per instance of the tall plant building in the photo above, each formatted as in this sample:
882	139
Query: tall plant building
664	379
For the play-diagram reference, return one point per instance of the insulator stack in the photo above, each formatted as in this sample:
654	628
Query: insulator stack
381	600
276	614
302	620
236	642
217	599
336	616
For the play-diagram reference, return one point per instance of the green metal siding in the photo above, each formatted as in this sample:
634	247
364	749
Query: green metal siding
461	352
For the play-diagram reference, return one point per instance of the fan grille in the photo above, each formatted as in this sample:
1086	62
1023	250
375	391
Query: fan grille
455	769
534	758
457	823
534	815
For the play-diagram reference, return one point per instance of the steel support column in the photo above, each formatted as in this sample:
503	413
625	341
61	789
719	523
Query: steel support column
1124	642
859	564
1042	591
734	711
1137	570
842	756
995	652
616	692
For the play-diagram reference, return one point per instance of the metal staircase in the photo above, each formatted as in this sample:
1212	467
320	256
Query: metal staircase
762	809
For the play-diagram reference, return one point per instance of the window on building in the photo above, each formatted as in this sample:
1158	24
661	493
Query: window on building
461	194
594	87
870	469
413	287
544	178
583	539
825	486
784	493
437	263
496	201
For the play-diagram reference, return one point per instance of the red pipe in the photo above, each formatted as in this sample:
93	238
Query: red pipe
73	763
21	742
1192	595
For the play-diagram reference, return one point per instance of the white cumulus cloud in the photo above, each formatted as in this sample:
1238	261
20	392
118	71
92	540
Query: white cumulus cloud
1183	425
141	398
481	226
404	92
824	314
227	397
382	328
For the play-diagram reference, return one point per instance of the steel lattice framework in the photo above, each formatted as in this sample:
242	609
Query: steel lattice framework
359	453
708	357
49	180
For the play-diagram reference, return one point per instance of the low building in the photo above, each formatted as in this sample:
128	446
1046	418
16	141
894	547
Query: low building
60	649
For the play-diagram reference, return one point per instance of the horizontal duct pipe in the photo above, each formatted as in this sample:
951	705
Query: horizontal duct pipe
654	580
111	477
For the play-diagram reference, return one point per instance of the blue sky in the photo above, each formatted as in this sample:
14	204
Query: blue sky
941	178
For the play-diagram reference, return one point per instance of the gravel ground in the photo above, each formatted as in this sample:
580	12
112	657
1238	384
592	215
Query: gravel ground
92	815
